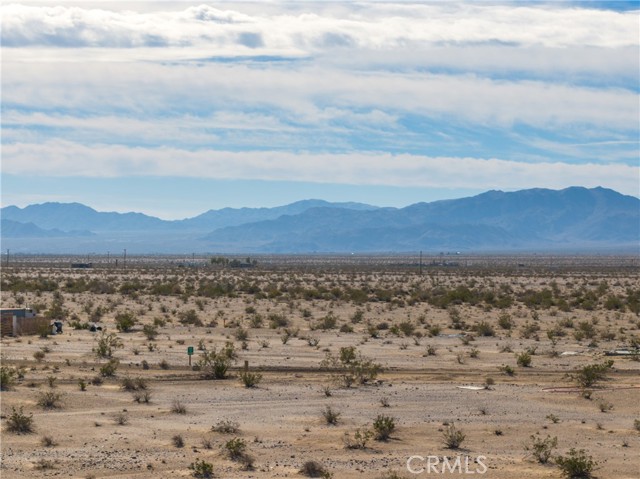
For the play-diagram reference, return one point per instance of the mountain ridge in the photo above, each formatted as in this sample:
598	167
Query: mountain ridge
533	219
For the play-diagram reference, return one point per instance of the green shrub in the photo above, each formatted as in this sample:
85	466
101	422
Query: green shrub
125	321
235	448
202	469
351	367
18	422
453	437
541	449
250	379
107	344
109	369
7	378
359	439
505	321
48	400
508	370
214	364
133	384
226	426
576	464
150	331
314	469
383	426
592	374
330	416
483	328
523	359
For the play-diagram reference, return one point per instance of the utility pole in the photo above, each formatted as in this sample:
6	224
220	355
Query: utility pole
420	263
8	256
124	260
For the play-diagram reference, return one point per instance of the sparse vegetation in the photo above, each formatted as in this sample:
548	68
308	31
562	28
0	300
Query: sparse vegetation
7	378
107	343
453	437
226	426
590	375
330	415
49	400
18	422
250	379
214	364
177	407
358	318
577	464
383	426
202	469
314	469
542	449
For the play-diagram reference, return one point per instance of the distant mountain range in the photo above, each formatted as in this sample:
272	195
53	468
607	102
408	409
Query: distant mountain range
573	219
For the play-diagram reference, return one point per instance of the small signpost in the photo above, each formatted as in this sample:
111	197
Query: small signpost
190	353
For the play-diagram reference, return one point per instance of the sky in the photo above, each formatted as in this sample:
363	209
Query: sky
173	108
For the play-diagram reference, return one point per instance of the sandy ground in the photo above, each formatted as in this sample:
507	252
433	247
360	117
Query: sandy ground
281	419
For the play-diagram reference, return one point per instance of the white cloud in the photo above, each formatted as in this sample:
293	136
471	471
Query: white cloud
305	94
358	168
315	27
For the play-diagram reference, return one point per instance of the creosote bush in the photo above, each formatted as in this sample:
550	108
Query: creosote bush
541	449
330	415
201	469
359	439
523	359
18	422
125	321
236	450
49	400
383	427
142	396
121	419
592	374
107	343
133	384
314	469
7	378
453	437
577	464
177	407
226	426
177	440
250	379
48	441
109	369
214	364
350	367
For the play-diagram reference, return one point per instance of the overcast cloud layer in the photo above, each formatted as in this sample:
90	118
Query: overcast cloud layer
453	95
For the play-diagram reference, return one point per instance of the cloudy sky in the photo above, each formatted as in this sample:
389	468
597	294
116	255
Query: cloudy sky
173	108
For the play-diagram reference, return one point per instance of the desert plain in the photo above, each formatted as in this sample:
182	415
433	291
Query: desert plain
323	369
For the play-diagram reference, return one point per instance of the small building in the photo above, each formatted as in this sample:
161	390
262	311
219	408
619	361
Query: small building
21	321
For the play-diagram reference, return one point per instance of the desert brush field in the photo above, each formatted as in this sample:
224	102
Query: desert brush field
308	369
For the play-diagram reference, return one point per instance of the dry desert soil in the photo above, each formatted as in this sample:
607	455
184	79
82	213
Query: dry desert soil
366	345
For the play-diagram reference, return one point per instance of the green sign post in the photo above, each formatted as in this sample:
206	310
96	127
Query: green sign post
190	353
